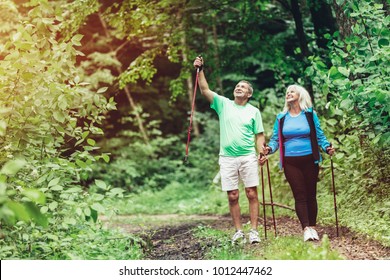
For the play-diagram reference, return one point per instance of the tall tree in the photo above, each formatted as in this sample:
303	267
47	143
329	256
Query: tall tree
323	21
120	71
344	22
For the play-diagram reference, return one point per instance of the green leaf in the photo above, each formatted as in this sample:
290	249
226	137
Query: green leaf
94	215
98	207
383	42
53	182
91	142
70	221
332	122
343	71
36	214
334	73
100	184
106	158
59	116
321	65
81	163
57	188
3	128
12	167
44	209
346	104
76	39
98	197
79	211
85	134
35	195
87	212
102	90
19	210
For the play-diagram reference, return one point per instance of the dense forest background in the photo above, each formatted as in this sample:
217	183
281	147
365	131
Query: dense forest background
95	99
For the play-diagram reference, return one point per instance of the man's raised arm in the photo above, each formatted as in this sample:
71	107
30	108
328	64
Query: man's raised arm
202	82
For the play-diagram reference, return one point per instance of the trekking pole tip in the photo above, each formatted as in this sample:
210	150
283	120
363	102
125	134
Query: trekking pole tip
185	160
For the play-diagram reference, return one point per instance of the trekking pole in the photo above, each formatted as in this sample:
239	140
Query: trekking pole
264	213
334	195
272	201
185	161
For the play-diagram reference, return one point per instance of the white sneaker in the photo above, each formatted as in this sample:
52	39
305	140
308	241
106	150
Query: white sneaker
238	237
254	236
314	234
307	234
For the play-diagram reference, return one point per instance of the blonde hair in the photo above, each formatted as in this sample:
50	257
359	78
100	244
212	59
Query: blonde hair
304	98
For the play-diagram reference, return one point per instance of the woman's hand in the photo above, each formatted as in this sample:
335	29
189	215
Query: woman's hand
267	150
330	150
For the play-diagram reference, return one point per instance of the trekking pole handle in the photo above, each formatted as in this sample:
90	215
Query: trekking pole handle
199	68
331	146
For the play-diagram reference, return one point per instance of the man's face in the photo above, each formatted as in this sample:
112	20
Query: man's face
242	90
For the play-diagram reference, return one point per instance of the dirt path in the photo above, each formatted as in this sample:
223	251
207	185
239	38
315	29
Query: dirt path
173	238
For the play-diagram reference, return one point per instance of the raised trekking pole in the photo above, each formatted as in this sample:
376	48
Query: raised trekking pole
264	213
185	161
334	195
272	201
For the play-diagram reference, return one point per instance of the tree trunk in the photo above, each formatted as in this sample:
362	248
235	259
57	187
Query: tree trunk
343	21
386	7
132	103
323	21
299	30
216	57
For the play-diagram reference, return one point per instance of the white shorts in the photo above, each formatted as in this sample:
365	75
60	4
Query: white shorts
232	169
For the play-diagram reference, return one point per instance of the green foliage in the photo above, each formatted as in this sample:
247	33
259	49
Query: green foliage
140	69
137	166
49	118
358	79
357	84
84	241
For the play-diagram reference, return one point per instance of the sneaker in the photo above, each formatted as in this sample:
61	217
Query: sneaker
238	237
254	236
314	234
307	234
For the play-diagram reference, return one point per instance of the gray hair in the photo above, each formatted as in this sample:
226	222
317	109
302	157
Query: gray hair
249	84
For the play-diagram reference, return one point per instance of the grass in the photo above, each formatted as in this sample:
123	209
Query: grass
175	199
279	248
149	207
154	208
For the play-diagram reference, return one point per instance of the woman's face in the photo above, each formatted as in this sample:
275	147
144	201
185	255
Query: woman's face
292	95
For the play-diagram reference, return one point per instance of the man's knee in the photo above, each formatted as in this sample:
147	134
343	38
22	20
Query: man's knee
251	193
233	196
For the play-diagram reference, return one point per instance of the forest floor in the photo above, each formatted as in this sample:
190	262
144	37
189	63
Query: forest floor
172	238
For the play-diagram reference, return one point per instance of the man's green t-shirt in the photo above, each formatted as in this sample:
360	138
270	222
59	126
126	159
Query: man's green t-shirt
238	126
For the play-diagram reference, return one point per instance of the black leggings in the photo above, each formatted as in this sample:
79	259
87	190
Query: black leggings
302	174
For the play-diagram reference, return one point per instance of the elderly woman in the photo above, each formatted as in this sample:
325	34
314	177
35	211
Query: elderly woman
298	135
